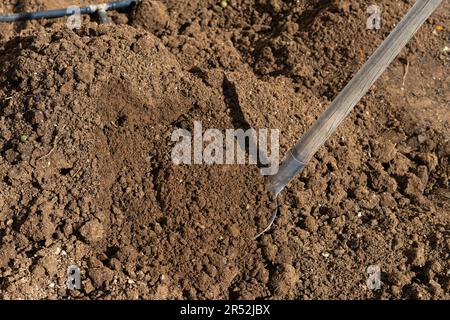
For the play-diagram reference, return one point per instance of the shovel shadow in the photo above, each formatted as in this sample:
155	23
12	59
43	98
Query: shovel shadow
240	122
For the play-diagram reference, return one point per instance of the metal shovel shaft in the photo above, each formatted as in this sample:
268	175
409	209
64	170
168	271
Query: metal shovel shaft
328	122
57	13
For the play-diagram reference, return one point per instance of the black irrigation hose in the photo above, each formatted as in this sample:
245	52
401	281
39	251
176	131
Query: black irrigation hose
67	11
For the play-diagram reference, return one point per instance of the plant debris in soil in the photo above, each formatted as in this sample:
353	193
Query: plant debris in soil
86	176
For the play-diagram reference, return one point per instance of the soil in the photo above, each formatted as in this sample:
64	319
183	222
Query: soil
86	176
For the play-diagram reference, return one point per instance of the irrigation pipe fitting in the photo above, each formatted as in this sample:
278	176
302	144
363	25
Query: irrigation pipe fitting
316	136
100	9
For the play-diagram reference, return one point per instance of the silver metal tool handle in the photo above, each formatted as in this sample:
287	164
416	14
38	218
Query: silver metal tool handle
320	131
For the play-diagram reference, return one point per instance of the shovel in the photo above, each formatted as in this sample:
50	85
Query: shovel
305	148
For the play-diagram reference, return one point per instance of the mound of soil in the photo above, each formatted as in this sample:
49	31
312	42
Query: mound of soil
86	176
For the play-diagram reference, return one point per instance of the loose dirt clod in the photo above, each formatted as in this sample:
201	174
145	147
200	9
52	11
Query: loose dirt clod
283	279
92	231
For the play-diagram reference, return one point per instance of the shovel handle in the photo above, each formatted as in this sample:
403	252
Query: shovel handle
328	122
